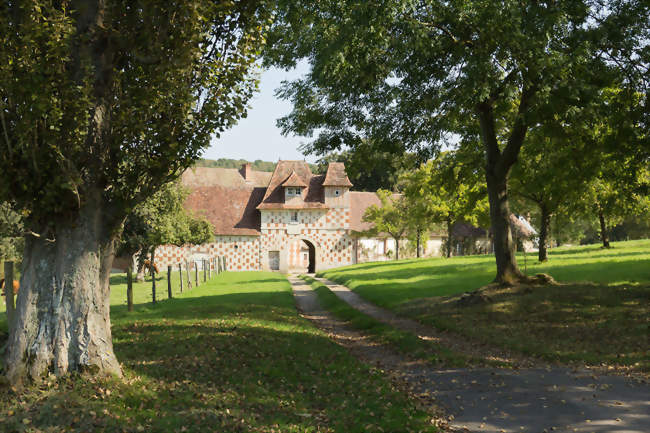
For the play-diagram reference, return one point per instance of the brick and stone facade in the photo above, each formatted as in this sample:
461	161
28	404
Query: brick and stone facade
288	220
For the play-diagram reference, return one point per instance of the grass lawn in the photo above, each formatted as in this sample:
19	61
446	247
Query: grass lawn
402	341
230	356
604	322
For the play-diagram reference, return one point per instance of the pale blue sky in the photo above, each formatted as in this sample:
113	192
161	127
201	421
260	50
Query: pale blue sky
256	136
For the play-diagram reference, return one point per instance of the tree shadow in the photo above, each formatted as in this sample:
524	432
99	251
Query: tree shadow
231	362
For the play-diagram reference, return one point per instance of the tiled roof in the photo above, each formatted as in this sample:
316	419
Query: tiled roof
464	230
521	228
226	199
274	197
359	202
294	180
336	175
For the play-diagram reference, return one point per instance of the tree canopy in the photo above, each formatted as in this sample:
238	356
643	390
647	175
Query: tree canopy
447	190
416	73
162	219
391	217
102	103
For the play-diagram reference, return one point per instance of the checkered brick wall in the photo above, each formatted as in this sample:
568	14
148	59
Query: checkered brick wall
242	252
327	229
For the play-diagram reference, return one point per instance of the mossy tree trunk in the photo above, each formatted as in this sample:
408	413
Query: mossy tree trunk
62	321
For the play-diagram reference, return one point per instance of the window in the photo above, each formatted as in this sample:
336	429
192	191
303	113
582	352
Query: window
293	191
337	192
294	217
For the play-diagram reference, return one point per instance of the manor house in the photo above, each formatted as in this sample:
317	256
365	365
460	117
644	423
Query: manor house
288	220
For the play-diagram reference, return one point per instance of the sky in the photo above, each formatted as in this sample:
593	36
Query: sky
257	136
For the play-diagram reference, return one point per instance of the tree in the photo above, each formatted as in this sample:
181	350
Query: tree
391	217
11	230
446	190
162	219
102	103
621	183
369	167
543	160
414	72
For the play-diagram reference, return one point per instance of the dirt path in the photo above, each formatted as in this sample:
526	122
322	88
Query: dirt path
489	399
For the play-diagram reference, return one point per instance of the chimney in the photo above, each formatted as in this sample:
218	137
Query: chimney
246	171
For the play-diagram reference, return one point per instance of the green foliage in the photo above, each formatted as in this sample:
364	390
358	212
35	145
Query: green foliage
162	219
257	165
447	189
390	217
91	105
370	168
11	233
406	74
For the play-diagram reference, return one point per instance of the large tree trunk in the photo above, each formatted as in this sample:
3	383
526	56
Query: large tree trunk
604	236
543	232
498	164
504	246
62	321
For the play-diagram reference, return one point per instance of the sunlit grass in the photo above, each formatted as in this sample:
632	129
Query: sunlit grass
607	320
232	355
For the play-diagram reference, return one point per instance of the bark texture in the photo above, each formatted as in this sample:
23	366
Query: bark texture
62	321
604	236
498	164
543	233
504	246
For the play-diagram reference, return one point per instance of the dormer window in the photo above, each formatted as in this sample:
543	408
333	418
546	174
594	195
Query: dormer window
337	192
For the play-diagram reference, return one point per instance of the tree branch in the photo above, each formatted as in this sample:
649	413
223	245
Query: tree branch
4	128
518	134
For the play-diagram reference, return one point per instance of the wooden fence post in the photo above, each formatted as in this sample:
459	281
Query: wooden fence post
205	270
129	289
180	274
196	273
189	276
209	263
153	283
225	265
9	293
169	281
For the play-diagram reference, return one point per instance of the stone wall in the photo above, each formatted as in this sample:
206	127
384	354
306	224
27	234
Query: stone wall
325	229
242	253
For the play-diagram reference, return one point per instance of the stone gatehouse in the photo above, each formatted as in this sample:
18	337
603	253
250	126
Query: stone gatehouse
288	220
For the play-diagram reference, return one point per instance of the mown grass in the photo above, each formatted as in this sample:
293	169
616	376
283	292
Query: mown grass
606	322
402	341
230	356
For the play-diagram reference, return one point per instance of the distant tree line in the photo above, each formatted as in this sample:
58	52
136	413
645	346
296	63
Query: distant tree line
257	165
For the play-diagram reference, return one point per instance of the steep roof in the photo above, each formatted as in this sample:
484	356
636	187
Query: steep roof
226	199
521	227
359	202
274	196
294	180
464	230
336	175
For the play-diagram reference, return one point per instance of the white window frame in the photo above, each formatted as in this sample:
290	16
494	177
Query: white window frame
291	217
